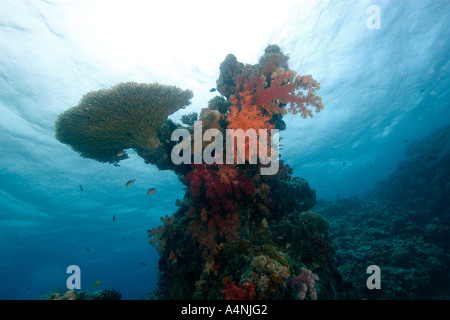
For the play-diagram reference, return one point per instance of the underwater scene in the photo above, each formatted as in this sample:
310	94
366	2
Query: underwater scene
224	150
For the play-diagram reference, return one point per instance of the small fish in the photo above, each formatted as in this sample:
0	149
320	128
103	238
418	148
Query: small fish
87	249
81	187
96	283
212	90
343	163
142	264
151	191
116	164
406	141
129	183
114	217
121	153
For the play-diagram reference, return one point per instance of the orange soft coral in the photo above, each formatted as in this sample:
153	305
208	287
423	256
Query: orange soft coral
246	116
213	229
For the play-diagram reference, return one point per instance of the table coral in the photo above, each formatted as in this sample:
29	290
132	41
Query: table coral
127	115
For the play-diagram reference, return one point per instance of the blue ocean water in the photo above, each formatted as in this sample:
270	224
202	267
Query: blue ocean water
382	88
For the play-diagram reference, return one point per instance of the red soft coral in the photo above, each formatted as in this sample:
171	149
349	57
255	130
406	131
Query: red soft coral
284	89
217	183
244	291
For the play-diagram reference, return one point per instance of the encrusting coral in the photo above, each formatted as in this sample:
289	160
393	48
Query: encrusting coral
237	234
127	115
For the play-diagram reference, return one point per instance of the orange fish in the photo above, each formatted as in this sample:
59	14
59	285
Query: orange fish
121	153
129	183
151	191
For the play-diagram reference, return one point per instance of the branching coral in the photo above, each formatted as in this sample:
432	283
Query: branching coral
189	119
127	115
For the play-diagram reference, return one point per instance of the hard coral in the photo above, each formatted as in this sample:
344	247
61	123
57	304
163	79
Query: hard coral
127	115
229	68
272	59
189	119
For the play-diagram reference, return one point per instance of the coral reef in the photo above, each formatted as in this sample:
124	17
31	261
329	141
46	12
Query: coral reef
237	233
62	294
421	181
402	226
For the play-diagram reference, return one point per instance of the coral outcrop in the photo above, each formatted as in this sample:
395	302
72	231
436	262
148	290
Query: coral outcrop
237	233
